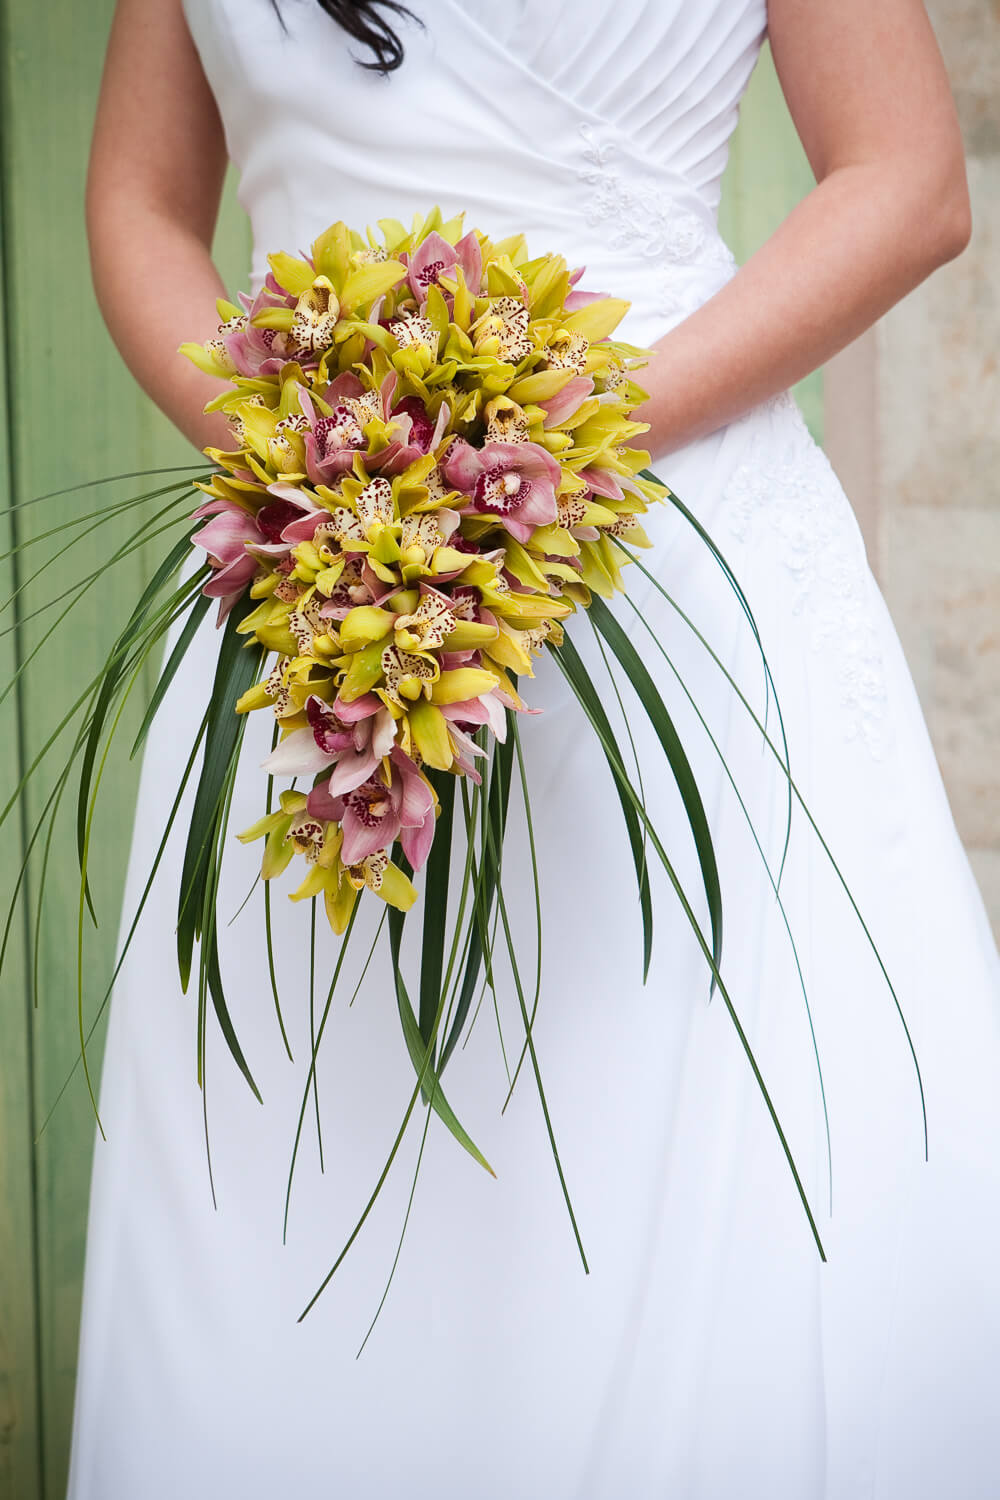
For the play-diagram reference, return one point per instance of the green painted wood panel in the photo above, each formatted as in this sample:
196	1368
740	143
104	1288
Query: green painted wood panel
75	414
20	1444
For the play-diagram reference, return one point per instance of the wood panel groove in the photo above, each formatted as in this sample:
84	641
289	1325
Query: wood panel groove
22	1440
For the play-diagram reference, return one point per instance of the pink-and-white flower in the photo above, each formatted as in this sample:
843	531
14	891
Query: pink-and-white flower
225	539
516	482
434	257
352	737
377	812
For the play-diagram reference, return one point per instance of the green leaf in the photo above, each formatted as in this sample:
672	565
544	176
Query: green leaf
767	870
315	1040
536	889
137	914
495	814
112	673
656	711
587	697
198	611
436	906
421	1051
236	670
782	762
633	825
519	988
744	603
220	1007
638	853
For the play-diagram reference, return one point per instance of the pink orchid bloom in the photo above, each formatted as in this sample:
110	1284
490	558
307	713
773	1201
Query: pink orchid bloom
352	737
488	708
602	482
516	482
332	441
435	258
357	584
225	539
373	735
257	351
414	434
465	751
374	814
578	297
567	401
289	518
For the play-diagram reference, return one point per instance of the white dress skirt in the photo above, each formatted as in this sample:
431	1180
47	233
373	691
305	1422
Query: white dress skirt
708	1351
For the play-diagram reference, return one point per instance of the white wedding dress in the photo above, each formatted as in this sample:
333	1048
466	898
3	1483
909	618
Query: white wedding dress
709	1353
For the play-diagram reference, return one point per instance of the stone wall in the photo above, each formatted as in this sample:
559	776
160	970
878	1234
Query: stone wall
913	428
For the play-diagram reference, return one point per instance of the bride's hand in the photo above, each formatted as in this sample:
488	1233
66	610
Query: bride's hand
870	98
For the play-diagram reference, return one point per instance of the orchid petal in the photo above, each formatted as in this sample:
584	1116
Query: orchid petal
296	755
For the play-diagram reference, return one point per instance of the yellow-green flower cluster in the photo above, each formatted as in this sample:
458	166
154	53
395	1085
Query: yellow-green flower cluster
431	463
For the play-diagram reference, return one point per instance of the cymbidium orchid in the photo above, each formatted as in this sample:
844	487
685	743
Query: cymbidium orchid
432	457
226	539
516	482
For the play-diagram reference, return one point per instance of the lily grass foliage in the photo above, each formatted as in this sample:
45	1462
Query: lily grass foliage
433	475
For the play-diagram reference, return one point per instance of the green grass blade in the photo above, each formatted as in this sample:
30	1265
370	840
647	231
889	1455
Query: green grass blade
536	890
113	670
185	777
732	580
638	855
268	933
312	1025
237	669
815	827
99	518
422	1072
435	903
519	989
767	870
169	670
208	958
402	1233
680	767
420	1048
589	702
89	484
311	1073
494	815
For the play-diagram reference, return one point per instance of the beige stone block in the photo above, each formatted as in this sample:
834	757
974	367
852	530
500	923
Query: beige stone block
939	372
968	33
986	868
943	590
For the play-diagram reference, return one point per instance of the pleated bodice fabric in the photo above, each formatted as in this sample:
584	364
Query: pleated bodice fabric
599	130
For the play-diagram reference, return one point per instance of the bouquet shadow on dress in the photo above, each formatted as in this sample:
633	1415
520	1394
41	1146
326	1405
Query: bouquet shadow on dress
432	472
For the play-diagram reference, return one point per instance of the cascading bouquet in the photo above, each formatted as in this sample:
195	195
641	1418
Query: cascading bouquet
432	469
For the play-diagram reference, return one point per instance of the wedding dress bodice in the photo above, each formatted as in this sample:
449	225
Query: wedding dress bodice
599	129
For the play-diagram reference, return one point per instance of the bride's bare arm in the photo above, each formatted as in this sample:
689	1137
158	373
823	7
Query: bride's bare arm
157	164
869	95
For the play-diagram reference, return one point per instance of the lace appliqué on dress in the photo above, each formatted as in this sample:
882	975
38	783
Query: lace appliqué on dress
637	213
786	481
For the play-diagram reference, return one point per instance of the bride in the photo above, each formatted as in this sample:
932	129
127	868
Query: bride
709	1352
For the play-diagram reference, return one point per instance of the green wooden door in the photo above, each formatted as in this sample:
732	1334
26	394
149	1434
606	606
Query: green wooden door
73	414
